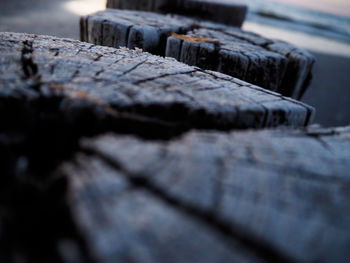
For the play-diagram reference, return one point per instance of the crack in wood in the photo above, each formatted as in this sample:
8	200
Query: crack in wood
229	229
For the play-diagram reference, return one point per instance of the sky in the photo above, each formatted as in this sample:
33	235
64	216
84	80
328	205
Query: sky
337	7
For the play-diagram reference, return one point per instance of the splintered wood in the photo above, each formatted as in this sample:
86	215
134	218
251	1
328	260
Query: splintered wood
117	155
270	64
133	82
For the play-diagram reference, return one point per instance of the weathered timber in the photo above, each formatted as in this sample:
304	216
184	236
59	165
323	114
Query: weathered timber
129	90
271	64
282	195
117	28
223	11
253	196
120	223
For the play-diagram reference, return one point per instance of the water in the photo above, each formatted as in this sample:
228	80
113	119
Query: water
301	19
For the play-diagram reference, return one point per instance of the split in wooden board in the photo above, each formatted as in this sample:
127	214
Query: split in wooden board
252	196
118	83
265	196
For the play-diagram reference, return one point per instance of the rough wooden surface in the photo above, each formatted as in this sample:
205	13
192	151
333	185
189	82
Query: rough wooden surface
116	28
132	85
238	196
280	196
271	64
274	65
222	11
122	224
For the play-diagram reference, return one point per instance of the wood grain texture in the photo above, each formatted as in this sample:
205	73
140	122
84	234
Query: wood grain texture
148	191
223	11
277	195
121	223
121	85
270	64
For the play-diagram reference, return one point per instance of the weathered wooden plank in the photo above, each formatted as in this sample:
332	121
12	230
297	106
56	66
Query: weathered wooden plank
264	195
130	29
232	56
300	62
274	65
299	69
271	64
122	224
282	192
127	88
223	11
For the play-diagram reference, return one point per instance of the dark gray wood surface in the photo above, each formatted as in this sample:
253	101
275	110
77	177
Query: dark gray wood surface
97	165
271	64
223	11
274	65
121	223
270	195
132	85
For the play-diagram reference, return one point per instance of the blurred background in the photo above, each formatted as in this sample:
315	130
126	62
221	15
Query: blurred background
321	26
